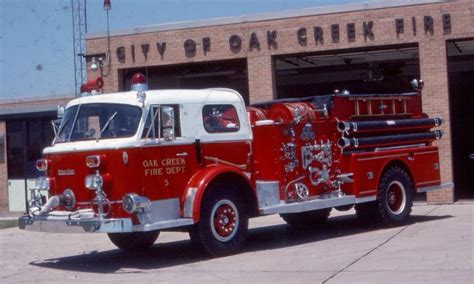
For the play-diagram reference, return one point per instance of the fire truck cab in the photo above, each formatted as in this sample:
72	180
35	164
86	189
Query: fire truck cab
135	163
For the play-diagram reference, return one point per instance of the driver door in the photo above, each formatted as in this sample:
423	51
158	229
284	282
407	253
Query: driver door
167	158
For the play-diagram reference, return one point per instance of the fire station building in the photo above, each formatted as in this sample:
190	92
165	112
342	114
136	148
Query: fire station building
376	47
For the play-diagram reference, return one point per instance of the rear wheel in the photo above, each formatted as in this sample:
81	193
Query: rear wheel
394	199
223	222
395	196
306	219
134	241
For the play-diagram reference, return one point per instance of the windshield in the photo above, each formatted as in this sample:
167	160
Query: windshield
98	121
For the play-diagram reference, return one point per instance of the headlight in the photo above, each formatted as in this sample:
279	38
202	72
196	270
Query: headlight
133	203
93	182
42	183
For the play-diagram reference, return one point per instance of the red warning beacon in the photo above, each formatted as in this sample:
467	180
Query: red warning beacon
91	87
139	82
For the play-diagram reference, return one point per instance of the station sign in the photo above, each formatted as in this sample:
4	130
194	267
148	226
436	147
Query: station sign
304	36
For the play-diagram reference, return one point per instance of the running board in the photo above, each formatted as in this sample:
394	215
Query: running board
436	187
314	204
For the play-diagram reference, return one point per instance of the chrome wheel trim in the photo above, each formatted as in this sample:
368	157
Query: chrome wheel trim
234	223
396	198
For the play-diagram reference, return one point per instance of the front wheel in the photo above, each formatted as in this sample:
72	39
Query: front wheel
222	225
394	198
134	241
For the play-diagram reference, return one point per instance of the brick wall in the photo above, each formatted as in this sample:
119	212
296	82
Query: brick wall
259	60
260	69
433	65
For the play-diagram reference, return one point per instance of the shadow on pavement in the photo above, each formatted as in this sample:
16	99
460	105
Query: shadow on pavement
183	252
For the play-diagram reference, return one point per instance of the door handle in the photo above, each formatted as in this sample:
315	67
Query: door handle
183	154
471	156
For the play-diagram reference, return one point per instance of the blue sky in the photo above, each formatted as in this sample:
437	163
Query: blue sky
36	47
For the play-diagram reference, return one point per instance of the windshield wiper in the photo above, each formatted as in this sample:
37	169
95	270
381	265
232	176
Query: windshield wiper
105	126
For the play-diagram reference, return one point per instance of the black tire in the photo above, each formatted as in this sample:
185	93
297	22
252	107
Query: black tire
134	241
394	198
308	219
223	222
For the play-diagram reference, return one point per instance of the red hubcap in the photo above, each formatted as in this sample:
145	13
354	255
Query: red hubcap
224	220
396	197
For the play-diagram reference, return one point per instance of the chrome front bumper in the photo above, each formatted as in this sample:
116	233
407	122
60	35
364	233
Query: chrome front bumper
65	222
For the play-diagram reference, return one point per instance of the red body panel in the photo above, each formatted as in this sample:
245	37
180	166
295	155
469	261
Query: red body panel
420	162
166	169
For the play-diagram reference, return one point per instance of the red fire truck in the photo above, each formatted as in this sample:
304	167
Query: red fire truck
134	163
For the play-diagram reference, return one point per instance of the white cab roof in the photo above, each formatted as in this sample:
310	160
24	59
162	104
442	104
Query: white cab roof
204	96
191	104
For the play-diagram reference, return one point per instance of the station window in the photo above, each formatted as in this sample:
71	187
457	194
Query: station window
156	113
220	118
25	141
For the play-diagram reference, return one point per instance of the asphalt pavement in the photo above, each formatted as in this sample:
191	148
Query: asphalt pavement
436	247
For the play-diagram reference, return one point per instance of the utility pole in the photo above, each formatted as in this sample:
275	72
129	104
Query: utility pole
79	30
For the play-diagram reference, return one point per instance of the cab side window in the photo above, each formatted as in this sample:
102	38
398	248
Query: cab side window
220	118
159	126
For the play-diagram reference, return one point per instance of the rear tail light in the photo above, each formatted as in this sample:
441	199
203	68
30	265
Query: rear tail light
93	161
42	165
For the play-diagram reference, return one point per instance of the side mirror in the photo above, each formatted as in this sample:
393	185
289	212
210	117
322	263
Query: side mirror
61	110
168	123
57	122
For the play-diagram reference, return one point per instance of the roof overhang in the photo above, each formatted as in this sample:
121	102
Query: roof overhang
30	108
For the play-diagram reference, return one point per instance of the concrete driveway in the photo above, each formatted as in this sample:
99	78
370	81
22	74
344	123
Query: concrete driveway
436	247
